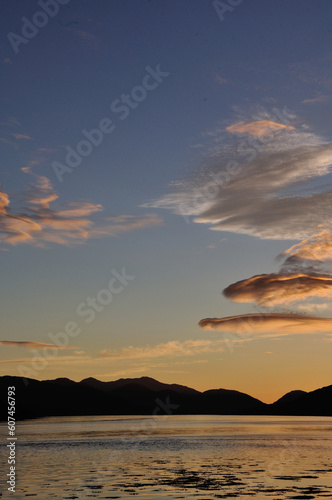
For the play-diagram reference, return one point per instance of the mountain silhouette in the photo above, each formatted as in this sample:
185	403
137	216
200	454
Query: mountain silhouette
318	402
147	382
290	396
147	396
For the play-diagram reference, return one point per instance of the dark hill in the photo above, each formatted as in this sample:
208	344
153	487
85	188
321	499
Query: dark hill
316	403
147	382
225	402
290	396
146	396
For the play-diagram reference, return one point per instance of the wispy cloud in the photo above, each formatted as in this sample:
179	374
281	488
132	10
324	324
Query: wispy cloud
11	122
171	348
4	140
22	136
315	73
221	80
88	40
268	194
316	248
312	308
30	344
145	367
319	99
49	359
13	138
37	223
125	223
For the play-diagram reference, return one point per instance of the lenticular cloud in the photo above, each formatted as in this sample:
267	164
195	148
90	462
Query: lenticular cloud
275	289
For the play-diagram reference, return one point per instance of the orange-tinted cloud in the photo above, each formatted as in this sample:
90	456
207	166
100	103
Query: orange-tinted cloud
273	289
260	128
269	324
317	247
31	344
172	348
38	223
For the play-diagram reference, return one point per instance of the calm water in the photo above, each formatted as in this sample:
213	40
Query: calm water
187	457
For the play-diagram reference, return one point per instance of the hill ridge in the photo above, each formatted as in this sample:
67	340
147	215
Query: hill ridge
145	395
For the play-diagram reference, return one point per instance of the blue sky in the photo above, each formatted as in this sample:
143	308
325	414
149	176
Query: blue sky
253	88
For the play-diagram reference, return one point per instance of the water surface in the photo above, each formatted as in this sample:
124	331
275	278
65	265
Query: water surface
172	457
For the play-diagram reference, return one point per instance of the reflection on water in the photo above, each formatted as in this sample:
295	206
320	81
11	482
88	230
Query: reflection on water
173	457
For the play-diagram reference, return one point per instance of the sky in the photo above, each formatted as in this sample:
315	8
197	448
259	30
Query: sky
166	192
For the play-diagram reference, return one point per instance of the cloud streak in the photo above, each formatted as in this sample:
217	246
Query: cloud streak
172	348
22	136
270	324
319	99
30	344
